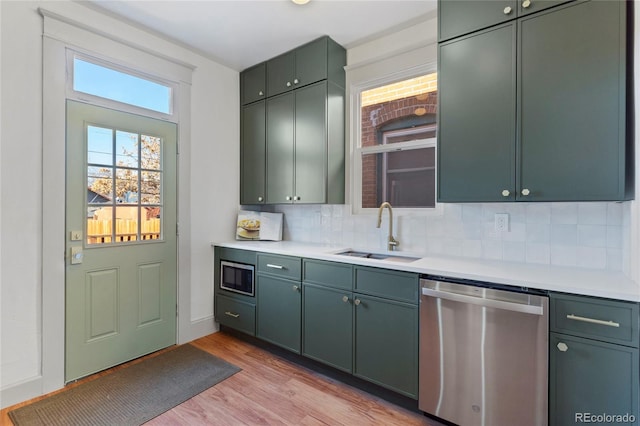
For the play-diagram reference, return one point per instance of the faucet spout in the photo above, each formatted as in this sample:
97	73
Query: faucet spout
392	243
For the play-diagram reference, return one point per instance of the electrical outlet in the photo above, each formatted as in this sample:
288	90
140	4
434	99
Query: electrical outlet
501	222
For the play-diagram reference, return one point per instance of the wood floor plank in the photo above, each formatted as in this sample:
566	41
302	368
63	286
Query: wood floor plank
271	390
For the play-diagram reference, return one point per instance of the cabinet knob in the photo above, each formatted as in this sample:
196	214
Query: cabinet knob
260	199
525	192
506	192
345	299
562	347
288	198
507	10
261	93
288	84
296	81
357	302
295	288
296	198
526	3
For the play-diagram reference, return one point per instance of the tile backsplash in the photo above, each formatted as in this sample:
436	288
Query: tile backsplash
587	235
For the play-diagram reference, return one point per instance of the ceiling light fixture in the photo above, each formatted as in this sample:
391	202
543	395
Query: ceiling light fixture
300	1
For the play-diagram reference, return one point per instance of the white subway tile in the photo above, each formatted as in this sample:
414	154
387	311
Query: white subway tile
592	235
564	213
538	253
592	213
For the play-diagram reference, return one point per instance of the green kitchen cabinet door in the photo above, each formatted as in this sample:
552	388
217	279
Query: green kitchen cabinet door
279	312
311	144
591	377
253	84
572	103
280	73
459	17
280	148
328	326
252	154
386	343
476	118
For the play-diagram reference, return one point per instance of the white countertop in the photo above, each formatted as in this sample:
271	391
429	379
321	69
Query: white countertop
599	283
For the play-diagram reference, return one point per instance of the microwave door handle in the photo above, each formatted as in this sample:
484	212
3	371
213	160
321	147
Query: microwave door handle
490	303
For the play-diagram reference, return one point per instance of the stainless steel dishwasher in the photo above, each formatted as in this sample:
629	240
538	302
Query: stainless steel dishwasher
483	354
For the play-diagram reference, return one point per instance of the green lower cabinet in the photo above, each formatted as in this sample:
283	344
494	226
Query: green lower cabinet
588	379
328	326
279	312
386	343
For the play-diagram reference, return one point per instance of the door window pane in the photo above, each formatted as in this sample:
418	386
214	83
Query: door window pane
124	197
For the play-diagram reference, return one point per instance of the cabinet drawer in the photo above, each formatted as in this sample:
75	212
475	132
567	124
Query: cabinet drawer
601	319
236	314
395	285
338	275
281	266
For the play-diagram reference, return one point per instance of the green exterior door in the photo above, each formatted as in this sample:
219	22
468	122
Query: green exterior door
386	343
252	154
311	144
476	120
280	148
279	307
121	263
591	377
328	326
572	103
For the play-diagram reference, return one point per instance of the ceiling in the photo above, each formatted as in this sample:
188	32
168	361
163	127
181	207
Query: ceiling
241	33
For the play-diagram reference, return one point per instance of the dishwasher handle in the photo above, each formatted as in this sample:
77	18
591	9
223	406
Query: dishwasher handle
489	303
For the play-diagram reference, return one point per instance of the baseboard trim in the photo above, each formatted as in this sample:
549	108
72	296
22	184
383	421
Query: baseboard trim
21	391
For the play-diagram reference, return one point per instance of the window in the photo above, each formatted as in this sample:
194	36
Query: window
92	78
396	159
124	186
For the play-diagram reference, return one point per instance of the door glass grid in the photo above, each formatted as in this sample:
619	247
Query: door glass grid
124	186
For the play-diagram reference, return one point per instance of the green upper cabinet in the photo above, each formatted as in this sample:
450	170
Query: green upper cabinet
253	151
253	84
460	17
535	109
303	129
318	60
304	146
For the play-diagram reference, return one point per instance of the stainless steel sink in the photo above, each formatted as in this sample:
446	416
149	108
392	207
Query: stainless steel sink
378	256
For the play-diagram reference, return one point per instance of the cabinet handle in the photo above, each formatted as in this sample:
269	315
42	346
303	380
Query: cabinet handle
506	192
260	199
296	81
288	198
593	320
296	198
357	302
231	314
271	265
507	10
295	288
345	299
562	347
525	192
526	3
261	93
288	84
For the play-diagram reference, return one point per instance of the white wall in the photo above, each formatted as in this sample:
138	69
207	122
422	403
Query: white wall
208	162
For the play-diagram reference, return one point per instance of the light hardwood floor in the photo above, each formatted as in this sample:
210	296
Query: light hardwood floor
271	390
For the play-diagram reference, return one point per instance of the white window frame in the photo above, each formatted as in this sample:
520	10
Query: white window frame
72	54
357	150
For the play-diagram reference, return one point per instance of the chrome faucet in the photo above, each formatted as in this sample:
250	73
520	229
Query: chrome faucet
392	243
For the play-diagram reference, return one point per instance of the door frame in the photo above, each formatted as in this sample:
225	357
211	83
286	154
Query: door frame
60	35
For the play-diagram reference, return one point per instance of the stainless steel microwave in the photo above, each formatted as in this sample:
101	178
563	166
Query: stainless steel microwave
237	277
